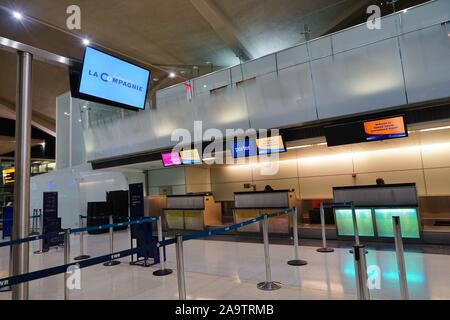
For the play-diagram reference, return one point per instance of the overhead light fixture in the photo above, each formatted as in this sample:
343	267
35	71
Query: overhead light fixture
306	146
435	129
299	147
86	41
155	79
172	75
17	15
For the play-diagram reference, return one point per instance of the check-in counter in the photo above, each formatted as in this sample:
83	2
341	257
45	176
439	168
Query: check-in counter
375	206
192	212
249	205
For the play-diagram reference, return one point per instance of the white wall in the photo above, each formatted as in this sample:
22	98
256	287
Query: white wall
76	187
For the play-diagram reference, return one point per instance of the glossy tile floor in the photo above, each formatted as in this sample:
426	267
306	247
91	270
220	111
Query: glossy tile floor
231	270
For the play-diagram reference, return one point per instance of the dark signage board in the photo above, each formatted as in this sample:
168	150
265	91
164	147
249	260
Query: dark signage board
50	205
136	200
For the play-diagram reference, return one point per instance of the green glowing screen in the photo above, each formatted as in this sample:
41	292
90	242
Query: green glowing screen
364	221
408	222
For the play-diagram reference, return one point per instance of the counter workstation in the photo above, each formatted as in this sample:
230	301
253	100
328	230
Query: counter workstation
248	205
192	212
375	206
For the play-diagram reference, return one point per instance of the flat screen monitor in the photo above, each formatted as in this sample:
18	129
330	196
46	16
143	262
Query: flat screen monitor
383	129
110	80
190	157
243	148
270	145
366	131
171	159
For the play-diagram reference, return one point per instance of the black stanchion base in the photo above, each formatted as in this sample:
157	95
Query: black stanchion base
297	263
40	251
269	286
82	257
162	272
325	250
365	251
111	263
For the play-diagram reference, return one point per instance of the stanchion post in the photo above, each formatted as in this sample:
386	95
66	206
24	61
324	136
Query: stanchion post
400	258
111	244
162	263
324	248
355	224
41	243
361	272
66	261
267	285
296	261
82	256
180	268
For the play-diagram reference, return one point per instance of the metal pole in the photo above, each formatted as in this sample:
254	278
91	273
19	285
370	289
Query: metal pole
324	248
180	268
296	261
162	271
66	261
361	272
41	242
82	256
21	223
400	258
355	224
268	285
111	244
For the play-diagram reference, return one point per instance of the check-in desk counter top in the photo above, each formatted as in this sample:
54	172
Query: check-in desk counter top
375	206
249	205
192	212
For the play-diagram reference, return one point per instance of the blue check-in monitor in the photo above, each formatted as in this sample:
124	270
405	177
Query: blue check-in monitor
113	80
243	148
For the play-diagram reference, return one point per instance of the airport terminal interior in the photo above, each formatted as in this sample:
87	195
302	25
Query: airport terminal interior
225	150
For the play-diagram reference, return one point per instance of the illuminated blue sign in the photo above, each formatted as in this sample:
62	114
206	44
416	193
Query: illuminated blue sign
244	148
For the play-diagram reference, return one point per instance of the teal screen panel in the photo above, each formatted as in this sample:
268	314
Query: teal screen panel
364	221
408	222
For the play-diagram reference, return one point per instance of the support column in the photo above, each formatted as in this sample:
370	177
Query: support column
22	175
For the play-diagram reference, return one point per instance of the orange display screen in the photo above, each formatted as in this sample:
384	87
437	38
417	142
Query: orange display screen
385	129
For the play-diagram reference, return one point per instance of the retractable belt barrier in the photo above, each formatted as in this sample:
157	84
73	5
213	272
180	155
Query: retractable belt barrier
205	234
13	280
44	273
76	230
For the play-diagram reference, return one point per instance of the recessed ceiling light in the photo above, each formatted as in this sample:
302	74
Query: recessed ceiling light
86	41
17	15
208	62
172	75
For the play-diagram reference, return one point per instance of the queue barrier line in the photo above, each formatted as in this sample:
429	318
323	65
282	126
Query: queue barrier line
76	230
205	234
119	224
44	273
